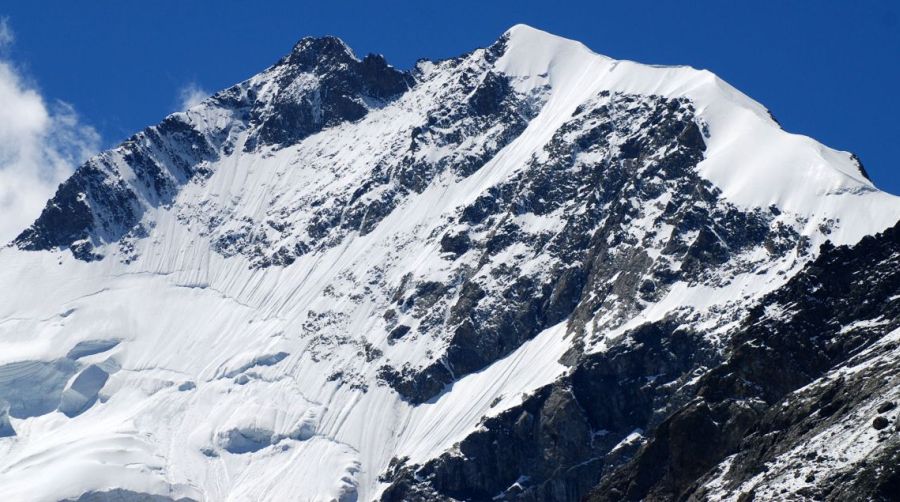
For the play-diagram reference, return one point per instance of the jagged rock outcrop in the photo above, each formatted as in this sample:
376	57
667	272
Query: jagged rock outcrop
812	357
723	422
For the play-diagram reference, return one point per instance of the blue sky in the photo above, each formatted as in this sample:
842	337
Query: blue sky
827	69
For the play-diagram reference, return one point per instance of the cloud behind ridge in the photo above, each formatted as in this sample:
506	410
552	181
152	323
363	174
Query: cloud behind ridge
40	145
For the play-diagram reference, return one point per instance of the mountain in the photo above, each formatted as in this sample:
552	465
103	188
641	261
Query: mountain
530	272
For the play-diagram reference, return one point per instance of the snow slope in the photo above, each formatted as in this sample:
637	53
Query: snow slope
219	379
749	157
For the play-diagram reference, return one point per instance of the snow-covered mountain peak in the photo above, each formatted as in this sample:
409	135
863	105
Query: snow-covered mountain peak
323	47
533	52
749	157
342	261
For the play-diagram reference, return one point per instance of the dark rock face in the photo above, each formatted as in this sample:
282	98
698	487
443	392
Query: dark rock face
96	205
321	84
878	480
474	114
747	405
398	332
558	443
861	167
886	407
68	220
567	437
456	244
604	181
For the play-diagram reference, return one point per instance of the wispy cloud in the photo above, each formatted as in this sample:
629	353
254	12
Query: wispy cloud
40	145
6	33
191	95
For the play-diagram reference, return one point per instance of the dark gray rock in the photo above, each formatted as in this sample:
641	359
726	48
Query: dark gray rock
345	86
886	407
747	405
96	205
596	259
557	444
456	244
696	407
398	332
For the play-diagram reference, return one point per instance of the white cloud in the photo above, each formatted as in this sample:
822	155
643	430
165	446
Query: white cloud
191	95
6	33
40	145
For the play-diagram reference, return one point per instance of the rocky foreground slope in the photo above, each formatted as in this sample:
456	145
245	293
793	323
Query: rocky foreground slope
527	273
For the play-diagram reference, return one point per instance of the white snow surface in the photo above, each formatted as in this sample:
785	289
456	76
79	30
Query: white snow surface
749	157
220	386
